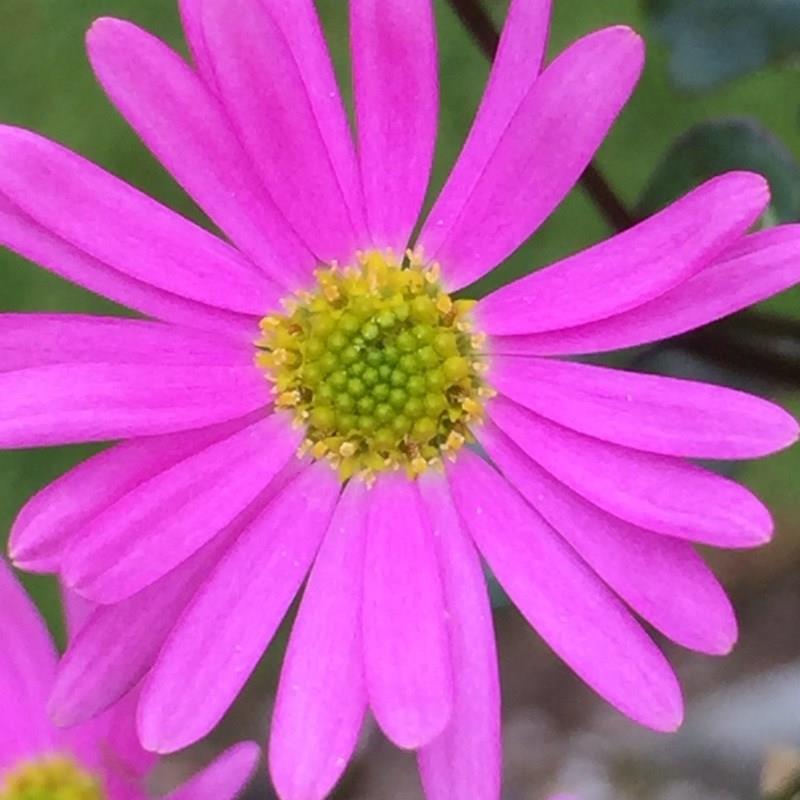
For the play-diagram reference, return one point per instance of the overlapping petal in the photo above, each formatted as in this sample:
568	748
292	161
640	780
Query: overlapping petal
224	778
567	604
646	412
635	266
661	578
541	154
396	99
657	493
321	696
464	760
226	628
181	121
163	520
406	651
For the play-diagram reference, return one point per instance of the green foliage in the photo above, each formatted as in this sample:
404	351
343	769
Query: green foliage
712	41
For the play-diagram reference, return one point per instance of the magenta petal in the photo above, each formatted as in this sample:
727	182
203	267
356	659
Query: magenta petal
752	270
192	21
321	696
66	403
113	222
658	493
633	267
27	666
31	240
541	154
406	652
50	520
516	66
661	578
264	90
570	608
163	520
183	124
224	778
397	98
465	760
646	412
229	623
36	340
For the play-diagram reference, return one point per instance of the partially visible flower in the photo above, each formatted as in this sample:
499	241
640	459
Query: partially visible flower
99	760
318	334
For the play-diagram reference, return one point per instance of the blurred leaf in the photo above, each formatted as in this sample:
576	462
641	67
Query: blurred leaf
712	148
711	41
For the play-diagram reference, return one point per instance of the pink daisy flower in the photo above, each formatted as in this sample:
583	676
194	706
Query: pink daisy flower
100	760
314	331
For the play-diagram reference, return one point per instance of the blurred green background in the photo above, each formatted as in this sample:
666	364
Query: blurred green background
47	85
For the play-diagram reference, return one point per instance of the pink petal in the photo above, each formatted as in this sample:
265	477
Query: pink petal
406	652
35	340
183	124
163	520
541	154
25	236
563	599
658	493
646	412
661	578
223	633
115	223
265	92
633	267
393	43
224	778
66	403
192	21
51	519
321	696
514	70
465	760
752	270
27	666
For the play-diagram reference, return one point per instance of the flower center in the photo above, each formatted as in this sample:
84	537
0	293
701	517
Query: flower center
378	364
52	778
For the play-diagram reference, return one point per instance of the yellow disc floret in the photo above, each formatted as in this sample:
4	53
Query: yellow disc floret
379	364
54	778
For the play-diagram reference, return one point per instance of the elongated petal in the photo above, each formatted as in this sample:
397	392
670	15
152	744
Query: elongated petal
321	696
563	599
633	267
48	522
661	578
27	666
655	492
397	98
516	66
165	519
223	779
66	403
406	652
265	94
646	412
117	224
228	625
192	22
183	124
541	154
35	340
750	271
25	236
464	761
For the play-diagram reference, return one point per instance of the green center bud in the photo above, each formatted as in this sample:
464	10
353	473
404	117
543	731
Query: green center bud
54	778
378	364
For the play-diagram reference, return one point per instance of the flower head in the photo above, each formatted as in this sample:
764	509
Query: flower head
321	335
99	760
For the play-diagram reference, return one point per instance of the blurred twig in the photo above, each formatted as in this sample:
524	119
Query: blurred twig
757	344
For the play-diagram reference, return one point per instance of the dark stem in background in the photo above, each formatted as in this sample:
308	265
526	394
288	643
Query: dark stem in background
760	345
